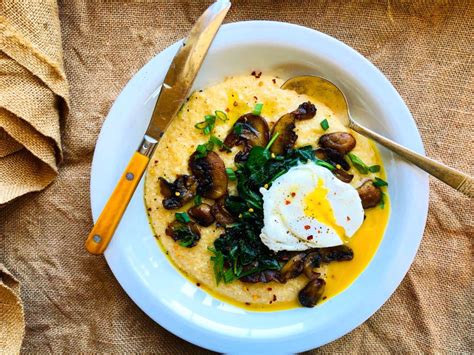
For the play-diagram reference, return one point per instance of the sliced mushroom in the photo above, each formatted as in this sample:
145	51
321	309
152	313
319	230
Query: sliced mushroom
312	261
341	141
342	175
221	214
187	234
293	268
285	255
312	293
202	214
285	127
210	174
305	111
250	130
287	137
339	253
262	276
243	155
176	194
369	194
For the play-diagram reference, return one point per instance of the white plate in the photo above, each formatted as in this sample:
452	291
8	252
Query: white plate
184	309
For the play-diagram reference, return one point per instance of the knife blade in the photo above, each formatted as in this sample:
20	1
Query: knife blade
172	95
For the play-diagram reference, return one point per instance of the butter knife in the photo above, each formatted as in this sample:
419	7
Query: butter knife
173	93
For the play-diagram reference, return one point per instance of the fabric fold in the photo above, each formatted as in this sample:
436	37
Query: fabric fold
34	94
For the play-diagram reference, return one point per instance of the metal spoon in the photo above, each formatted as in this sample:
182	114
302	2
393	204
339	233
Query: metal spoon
318	87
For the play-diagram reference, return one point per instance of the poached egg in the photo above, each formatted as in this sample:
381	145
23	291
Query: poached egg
308	207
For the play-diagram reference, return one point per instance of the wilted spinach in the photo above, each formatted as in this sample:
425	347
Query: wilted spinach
238	251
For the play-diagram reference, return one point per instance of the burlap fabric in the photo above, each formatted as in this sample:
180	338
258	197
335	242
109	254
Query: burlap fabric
33	88
72	301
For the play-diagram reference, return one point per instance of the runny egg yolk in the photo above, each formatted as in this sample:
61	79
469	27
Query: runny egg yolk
317	206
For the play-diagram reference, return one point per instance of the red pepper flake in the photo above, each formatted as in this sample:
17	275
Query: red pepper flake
309	237
247	303
227	109
156	161
307	227
269	289
274	81
256	75
198	284
324	297
348	218
149	209
274	298
256	98
270	302
293	194
236	103
287	202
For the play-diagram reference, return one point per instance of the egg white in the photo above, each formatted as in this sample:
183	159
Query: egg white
287	227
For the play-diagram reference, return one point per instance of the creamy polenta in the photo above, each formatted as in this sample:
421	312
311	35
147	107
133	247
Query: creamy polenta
237	96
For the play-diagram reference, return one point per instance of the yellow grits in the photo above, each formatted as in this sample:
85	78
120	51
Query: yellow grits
238	95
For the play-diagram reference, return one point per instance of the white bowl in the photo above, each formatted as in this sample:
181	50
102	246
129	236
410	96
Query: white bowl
184	309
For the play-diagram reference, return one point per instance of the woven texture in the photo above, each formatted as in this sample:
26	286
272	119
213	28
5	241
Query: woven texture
33	88
72	301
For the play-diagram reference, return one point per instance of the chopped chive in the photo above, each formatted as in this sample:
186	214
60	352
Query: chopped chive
231	174
221	115
379	182
186	242
210	118
324	124
382	201
216	141
197	200
358	163
213	140
374	168
207	125
257	110
324	164
274	138
202	151
201	125
182	217
207	130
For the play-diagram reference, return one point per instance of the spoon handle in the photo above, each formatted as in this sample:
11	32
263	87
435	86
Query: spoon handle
454	178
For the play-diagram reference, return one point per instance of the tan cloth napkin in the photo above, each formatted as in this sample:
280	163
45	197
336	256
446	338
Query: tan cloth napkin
71	300
33	90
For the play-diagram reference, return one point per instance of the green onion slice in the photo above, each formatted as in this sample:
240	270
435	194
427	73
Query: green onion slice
257	110
374	168
358	163
231	174
324	124
221	115
379	182
182	217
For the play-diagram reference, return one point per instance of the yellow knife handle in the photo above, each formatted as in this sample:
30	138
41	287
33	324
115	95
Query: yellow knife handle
111	215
